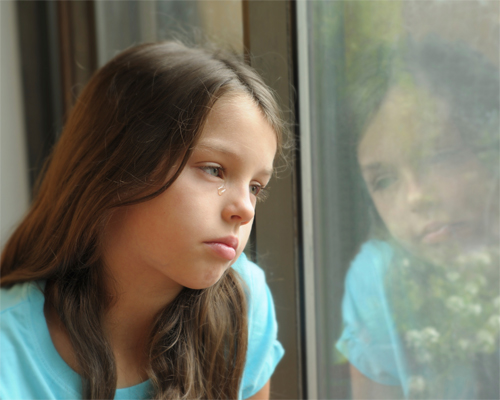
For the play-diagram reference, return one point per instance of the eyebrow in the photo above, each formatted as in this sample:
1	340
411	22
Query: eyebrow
219	148
372	167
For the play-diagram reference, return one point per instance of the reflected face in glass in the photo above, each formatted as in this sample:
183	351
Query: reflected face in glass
427	185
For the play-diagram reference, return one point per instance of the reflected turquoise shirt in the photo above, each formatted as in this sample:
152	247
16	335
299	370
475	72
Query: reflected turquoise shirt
373	344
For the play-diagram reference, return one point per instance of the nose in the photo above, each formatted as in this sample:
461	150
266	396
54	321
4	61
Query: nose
418	194
239	206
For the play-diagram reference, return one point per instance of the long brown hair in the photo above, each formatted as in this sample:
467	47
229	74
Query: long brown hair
136	121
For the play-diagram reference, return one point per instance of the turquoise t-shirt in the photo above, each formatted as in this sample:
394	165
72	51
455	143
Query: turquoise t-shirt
31	368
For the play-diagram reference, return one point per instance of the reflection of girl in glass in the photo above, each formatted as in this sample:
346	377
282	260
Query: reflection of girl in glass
421	309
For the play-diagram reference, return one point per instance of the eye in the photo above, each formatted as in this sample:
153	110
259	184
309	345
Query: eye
255	189
382	182
259	191
213	170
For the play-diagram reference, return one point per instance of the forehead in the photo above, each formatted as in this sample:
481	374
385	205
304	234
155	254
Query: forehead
237	125
409	123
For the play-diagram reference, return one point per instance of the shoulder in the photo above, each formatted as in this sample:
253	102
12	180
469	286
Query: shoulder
18	304
15	316
370	263
17	296
264	350
259	298
365	281
18	340
251	274
373	252
368	337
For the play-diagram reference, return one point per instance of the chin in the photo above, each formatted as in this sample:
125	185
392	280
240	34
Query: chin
208	280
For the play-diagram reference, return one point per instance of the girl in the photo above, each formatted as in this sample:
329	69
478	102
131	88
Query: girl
422	308
126	279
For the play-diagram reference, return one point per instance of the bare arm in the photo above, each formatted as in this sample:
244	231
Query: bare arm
365	388
262	394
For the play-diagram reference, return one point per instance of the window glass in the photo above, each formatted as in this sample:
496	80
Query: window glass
404	111
121	24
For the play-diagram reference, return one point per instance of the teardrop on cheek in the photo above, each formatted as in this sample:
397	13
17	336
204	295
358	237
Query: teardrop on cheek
221	190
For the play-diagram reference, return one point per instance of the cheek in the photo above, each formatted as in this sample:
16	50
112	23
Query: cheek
130	231
245	234
156	223
142	225
465	190
394	218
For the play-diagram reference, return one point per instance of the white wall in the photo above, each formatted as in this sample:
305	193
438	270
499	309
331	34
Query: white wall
14	184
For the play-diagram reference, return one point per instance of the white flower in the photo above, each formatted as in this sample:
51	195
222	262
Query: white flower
414	338
453	276
471	288
416	384
484	258
463	344
430	335
461	260
455	303
494	321
496	302
475	309
424	357
485	341
422	339
480	257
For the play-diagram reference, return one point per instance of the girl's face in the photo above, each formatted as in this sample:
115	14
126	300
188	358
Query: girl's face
427	185
189	235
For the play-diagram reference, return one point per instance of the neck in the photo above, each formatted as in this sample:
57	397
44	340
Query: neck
138	295
136	299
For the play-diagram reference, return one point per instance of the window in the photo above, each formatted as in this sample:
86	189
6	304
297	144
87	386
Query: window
380	242
81	36
401	102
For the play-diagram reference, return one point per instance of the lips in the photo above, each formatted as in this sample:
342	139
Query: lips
224	247
438	232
